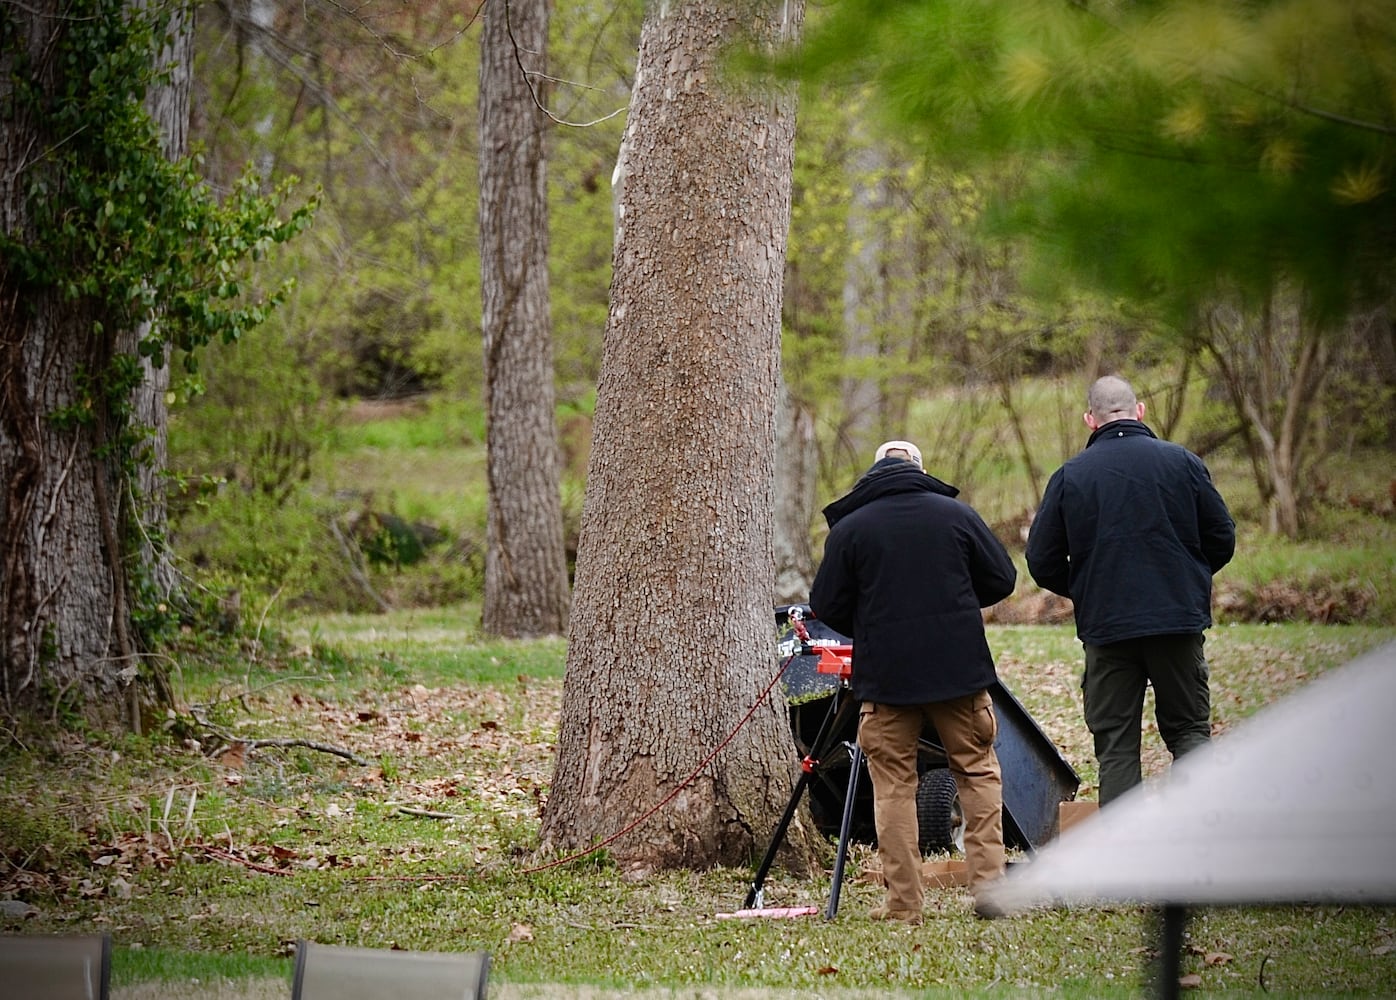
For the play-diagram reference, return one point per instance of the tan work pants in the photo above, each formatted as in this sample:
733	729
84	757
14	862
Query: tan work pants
888	735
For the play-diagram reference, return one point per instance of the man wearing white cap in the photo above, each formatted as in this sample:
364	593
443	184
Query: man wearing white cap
906	570
912	453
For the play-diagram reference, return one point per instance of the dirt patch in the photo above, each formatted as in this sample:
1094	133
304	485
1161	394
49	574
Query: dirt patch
1032	607
364	411
1323	603
278	989
195	989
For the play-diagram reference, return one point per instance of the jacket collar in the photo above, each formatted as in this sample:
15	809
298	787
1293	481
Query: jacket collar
1119	429
889	476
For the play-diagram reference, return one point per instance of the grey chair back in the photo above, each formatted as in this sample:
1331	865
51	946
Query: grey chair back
335	972
63	967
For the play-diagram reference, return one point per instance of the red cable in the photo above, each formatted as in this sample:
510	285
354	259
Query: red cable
678	788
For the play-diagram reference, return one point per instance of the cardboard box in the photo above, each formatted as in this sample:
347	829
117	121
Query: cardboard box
944	874
934	874
1071	813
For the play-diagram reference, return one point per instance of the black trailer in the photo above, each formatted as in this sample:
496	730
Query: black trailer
1036	778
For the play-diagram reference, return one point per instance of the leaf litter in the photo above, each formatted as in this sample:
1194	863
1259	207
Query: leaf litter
455	765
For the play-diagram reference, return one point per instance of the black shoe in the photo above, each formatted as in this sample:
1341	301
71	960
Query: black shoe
985	909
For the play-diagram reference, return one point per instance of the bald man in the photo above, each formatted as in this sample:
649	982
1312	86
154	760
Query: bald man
1132	530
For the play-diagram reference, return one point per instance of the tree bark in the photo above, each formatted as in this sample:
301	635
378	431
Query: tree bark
60	595
526	587
797	460
82	514
168	104
671	639
864	290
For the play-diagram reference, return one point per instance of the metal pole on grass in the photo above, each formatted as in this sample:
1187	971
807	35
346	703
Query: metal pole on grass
1172	922
855	762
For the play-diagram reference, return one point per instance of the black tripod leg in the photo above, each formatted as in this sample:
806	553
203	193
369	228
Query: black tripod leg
753	897
855	761
839	710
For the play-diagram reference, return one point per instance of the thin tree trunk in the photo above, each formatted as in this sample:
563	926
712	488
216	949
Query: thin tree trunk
861	392
1005	384
796	461
1380	335
1273	369
671	639
526	588
168	104
1297	421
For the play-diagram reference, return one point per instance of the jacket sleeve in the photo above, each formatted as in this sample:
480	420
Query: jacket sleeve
1216	528
1047	553
833	596
991	567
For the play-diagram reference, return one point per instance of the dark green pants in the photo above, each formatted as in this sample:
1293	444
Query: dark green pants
1113	688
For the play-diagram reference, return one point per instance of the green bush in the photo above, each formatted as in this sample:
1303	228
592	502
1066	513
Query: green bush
291	552
35	838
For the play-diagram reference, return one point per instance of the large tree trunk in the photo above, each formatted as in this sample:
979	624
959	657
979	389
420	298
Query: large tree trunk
62	615
671	639
526	588
82	513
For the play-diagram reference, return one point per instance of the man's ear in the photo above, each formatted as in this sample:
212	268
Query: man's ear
1140	407
1089	419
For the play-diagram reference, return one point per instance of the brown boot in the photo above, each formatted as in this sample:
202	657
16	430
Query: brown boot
911	917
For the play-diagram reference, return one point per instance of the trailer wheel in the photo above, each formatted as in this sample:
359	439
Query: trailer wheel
938	813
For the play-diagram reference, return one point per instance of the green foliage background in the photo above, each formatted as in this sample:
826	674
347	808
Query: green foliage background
361	396
1164	148
309	463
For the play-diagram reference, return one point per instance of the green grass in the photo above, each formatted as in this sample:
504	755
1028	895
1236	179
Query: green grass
1264	559
165	842
139	965
207	868
431	484
442	643
424	462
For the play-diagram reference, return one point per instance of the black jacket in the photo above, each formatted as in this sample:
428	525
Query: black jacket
906	570
1132	529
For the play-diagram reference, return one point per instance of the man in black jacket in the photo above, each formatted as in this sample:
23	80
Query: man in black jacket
1132	529
906	570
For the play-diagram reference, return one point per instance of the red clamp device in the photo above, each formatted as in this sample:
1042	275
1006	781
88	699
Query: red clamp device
836	660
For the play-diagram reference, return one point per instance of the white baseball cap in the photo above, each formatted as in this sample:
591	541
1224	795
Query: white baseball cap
905	446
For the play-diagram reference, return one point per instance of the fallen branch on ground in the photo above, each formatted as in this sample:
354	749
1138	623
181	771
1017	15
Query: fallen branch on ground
425	813
307	744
